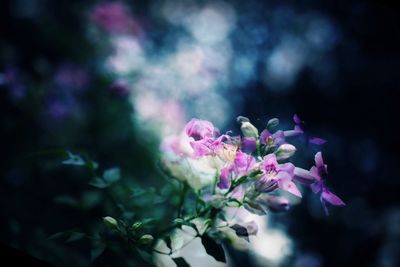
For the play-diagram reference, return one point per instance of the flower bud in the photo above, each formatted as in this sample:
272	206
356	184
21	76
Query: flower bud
137	225
241	119
285	151
272	123
249	130
146	239
110	222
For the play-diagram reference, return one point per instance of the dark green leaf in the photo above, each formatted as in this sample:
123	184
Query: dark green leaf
112	175
213	249
73	160
240	180
99	183
56	235
75	236
96	251
92	165
67	200
145	256
167	240
180	262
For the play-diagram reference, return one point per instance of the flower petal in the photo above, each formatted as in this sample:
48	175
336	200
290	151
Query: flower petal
332	198
248	145
296	119
225	178
303	176
317	141
285	183
263	136
319	161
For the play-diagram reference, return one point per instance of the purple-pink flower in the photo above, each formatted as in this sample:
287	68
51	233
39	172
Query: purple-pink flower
282	174
200	129
242	165
320	172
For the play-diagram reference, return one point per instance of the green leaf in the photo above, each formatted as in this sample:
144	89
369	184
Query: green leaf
56	235
73	160
168	242
180	262
96	251
112	175
145	256
213	249
99	183
240	180
66	200
92	165
233	202
75	236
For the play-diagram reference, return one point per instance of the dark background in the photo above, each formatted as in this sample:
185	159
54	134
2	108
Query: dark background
357	112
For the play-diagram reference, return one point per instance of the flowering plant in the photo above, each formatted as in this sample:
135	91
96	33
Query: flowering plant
213	175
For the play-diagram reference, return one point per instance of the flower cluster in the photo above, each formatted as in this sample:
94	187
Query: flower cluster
252	169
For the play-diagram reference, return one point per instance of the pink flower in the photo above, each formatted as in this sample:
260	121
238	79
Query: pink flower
320	173
200	129
241	166
279	174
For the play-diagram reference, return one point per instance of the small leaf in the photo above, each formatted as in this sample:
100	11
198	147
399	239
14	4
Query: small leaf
96	251
240	180
92	165
112	175
167	241
75	236
56	235
145	256
233	202
213	249
73	160
180	262
66	200
99	183
241	231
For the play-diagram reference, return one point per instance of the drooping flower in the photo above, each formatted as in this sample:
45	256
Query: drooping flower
282	174
320	172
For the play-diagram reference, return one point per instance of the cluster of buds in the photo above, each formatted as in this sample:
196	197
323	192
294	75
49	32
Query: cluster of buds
252	169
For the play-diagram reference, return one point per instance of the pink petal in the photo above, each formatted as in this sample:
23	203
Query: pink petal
285	183
303	176
317	141
296	119
332	198
225	178
319	161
